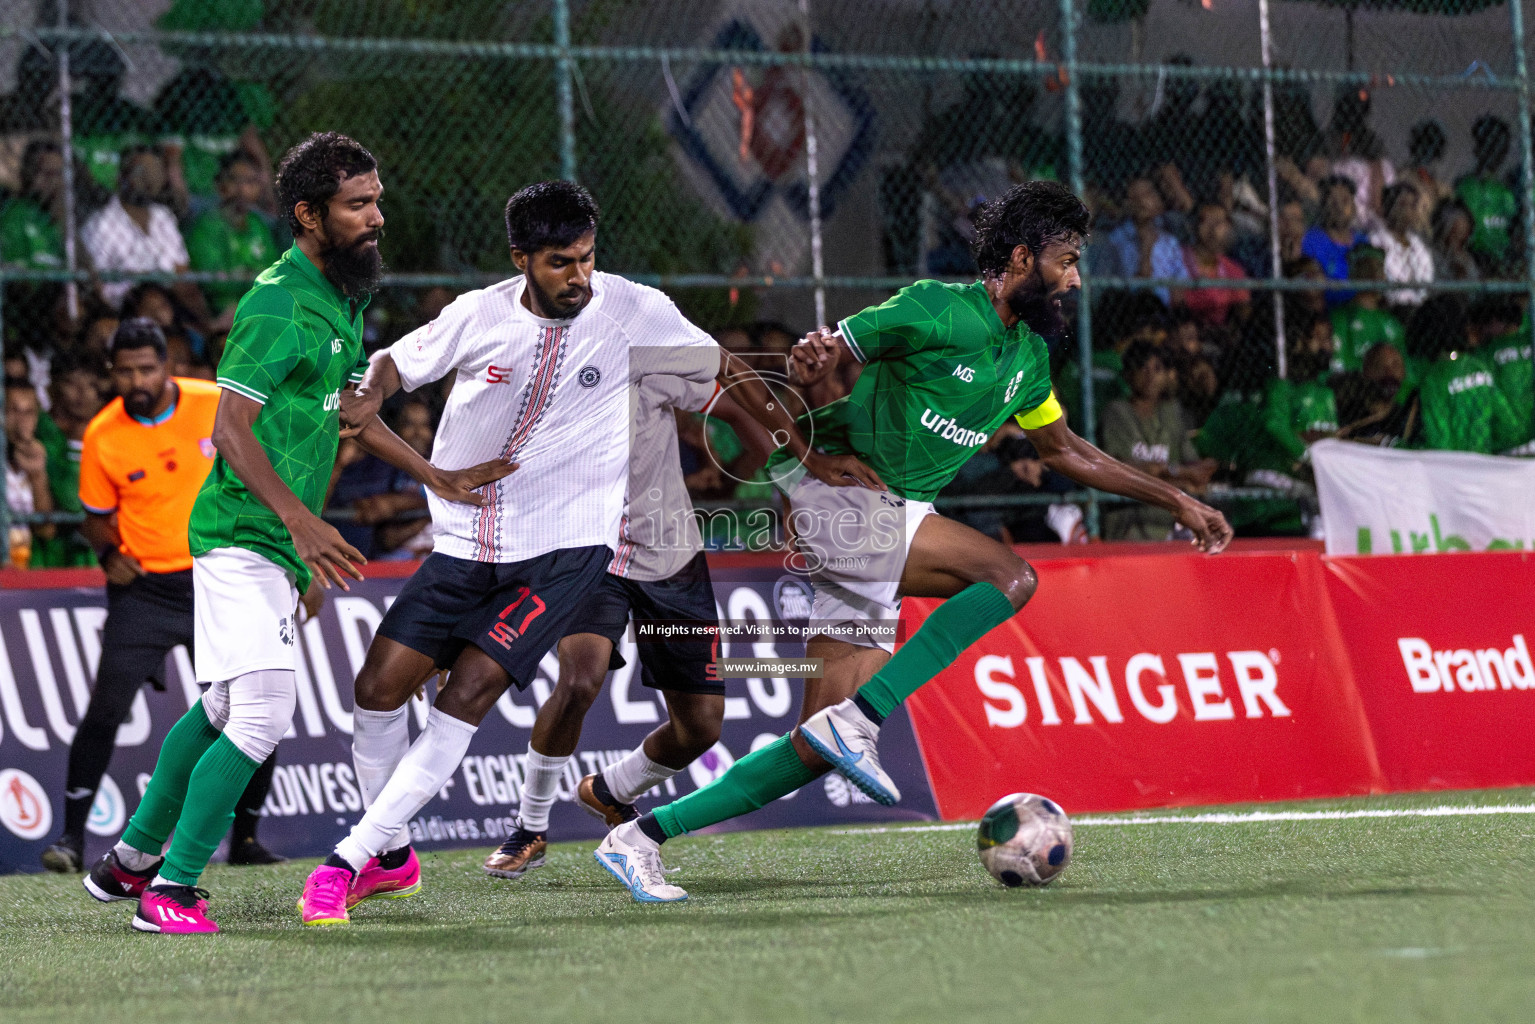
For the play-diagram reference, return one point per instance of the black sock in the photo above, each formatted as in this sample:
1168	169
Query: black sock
76	810
601	791
335	861
651	827
868	709
248	810
391	860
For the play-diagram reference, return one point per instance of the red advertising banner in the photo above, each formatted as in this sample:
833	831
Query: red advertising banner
1150	681
1441	652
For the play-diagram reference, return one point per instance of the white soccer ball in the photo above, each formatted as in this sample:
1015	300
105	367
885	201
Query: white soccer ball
1024	840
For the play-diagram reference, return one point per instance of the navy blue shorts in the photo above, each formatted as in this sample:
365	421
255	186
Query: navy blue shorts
513	611
683	661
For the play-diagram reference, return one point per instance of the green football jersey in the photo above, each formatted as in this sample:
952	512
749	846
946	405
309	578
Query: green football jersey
1463	410
296	341
1293	408
1493	210
29	237
1358	330
1515	376
214	245
941	374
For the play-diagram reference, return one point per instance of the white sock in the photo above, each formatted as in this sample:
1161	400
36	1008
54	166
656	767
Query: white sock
430	762
540	779
162	880
134	860
635	775
379	742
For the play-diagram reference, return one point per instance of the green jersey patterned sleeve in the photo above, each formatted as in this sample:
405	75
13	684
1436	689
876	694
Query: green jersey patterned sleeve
263	347
902	324
360	370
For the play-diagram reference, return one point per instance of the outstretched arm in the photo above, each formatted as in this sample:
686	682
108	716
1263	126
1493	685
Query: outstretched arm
1072	456
752	395
362	403
460	485
318	544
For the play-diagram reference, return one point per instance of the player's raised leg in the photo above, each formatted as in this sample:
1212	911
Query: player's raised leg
985	583
632	851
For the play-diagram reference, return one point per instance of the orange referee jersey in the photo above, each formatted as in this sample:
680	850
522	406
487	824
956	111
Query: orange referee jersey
150	476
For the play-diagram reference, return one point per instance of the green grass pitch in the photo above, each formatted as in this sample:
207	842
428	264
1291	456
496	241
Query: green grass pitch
1377	919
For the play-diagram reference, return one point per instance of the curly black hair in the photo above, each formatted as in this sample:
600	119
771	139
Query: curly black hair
1033	215
312	172
549	215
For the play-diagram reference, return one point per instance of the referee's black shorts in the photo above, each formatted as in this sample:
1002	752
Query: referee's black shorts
145	619
513	611
684	661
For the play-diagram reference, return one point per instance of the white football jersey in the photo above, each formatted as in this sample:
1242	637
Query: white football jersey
552	396
659	534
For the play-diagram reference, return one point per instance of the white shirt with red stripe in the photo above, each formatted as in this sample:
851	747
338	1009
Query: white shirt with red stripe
659	534
552	396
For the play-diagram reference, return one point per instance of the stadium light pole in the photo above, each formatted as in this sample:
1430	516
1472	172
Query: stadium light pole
1074	172
564	93
1265	40
1522	93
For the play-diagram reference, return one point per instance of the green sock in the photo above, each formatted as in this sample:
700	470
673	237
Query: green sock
186	743
212	793
954	625
757	779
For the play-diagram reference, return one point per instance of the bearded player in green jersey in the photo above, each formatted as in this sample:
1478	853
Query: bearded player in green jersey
255	533
944	367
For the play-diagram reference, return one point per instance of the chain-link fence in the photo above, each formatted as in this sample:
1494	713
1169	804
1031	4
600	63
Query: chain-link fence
777	164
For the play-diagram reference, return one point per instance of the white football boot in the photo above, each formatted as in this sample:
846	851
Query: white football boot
844	736
634	859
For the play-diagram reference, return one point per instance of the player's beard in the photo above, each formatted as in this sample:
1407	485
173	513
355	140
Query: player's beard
139	403
1040	309
558	309
356	267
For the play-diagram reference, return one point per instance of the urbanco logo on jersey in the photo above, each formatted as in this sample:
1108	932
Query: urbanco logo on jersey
950	430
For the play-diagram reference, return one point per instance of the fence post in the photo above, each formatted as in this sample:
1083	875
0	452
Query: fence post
564	94
812	177
1265	39
1522	74
1089	425
67	151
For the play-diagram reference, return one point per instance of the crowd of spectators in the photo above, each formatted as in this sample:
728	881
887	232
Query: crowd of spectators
1186	379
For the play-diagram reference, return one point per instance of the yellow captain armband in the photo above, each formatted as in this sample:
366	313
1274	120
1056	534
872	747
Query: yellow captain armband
1042	415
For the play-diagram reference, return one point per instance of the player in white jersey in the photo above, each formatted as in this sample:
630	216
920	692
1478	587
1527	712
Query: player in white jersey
542	367
658	574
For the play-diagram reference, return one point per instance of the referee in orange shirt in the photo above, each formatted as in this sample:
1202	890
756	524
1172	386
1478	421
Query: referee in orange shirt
145	457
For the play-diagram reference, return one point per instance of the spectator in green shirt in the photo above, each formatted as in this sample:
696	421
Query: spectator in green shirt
29	222
1148	431
1495	321
1301	408
1491	202
1463	410
1363	322
75	392
232	239
30	237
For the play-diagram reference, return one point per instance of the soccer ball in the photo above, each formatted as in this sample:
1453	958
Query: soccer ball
1024	840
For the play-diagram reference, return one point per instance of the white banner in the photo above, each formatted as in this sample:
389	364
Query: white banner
1383	501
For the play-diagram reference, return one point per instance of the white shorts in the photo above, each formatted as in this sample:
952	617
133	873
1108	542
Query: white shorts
244	615
854	542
